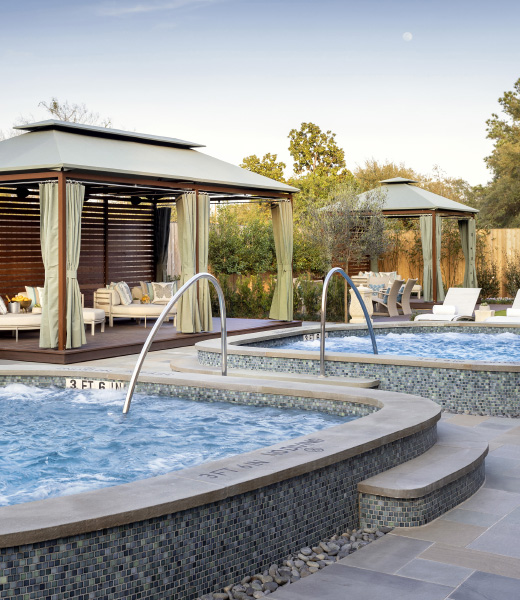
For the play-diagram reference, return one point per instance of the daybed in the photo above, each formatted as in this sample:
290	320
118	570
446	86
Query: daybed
18	321
110	301
458	304
512	314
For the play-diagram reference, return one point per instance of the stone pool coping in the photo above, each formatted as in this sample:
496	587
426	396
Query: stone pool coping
400	416
238	345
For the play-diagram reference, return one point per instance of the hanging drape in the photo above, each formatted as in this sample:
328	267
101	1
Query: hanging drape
374	264
468	237
161	239
188	319
425	225
75	325
206	322
438	239
282	306
50	256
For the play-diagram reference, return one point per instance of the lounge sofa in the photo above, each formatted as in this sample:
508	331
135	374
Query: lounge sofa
110	301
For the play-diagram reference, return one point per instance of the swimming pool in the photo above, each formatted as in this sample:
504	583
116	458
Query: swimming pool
450	345
58	442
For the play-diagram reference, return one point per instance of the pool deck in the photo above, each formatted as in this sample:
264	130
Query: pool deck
470	553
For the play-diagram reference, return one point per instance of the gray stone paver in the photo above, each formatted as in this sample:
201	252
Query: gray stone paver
471	551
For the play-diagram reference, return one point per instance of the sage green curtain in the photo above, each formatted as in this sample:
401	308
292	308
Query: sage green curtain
425	225
374	264
161	239
468	236
282	306
438	240
49	249
206	320
188	318
75	326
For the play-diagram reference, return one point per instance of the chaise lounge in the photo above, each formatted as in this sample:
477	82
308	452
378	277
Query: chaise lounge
512	314
459	304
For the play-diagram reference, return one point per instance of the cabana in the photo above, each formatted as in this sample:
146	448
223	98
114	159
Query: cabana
82	206
404	200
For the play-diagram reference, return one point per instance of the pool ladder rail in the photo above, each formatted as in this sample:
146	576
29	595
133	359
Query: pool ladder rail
159	322
324	314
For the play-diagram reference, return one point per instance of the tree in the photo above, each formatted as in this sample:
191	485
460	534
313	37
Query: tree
268	166
315	152
501	202
74	113
350	226
372	173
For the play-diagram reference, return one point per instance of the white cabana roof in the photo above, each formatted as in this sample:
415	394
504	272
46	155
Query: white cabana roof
57	145
402	195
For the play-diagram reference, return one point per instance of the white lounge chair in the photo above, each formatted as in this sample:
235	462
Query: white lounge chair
512	314
458	304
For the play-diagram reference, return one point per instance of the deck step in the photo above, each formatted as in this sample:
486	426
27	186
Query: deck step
192	365
420	490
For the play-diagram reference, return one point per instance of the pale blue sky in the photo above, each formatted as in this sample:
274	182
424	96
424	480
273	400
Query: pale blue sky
237	75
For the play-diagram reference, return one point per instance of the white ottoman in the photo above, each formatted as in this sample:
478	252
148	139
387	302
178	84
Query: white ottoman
93	316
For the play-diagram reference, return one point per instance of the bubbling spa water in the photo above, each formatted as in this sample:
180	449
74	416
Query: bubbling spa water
499	347
57	442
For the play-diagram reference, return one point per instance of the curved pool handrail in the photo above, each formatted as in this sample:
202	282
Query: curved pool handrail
158	323
324	311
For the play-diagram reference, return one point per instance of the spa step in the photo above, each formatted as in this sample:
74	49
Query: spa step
420	490
192	365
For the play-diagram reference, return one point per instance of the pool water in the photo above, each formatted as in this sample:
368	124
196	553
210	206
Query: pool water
500	347
56	442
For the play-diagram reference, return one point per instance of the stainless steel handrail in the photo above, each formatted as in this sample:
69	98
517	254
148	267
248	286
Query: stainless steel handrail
324	311
155	329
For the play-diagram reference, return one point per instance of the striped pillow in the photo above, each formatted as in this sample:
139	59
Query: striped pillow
3	307
147	288
124	292
32	293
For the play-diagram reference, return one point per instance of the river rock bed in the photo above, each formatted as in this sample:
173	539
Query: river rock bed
302	563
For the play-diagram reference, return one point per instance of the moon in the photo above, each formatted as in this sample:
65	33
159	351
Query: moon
407	37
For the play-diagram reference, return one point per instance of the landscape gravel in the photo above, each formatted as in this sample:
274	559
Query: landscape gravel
302	563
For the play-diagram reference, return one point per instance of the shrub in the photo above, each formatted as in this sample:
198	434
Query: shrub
487	277
512	274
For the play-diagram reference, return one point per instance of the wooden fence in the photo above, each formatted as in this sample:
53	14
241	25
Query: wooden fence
496	246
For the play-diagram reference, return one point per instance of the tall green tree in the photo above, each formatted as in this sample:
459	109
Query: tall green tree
315	152
501	202
268	166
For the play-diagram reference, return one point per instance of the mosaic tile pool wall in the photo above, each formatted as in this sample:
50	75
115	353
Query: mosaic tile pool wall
393	512
481	392
192	552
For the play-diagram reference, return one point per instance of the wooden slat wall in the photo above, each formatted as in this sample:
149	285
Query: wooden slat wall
130	243
20	255
127	240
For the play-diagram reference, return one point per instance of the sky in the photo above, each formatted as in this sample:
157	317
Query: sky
411	82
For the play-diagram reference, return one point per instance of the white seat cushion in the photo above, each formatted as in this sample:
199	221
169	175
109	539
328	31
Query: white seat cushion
93	315
140	310
20	320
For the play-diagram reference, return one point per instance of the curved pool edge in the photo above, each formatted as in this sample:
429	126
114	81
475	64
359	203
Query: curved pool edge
400	416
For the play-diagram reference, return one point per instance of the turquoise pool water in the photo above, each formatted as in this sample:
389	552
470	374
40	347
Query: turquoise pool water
498	347
55	442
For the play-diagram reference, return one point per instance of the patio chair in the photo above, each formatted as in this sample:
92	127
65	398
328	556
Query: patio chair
388	298
459	304
403	298
512	314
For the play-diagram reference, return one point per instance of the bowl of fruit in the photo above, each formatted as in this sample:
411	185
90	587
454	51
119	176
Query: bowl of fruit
22	300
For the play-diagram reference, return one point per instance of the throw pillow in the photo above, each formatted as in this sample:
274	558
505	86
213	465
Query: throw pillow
124	293
162	292
32	293
39	295
3	307
147	288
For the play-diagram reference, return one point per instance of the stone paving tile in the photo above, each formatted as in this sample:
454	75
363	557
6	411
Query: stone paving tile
495	502
435	572
508	451
464	420
473	559
485	586
507	466
471	517
448	532
340	582
500	539
508	438
387	555
495	425
498	481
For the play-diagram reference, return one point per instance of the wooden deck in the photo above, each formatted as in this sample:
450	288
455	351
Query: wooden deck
126	337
